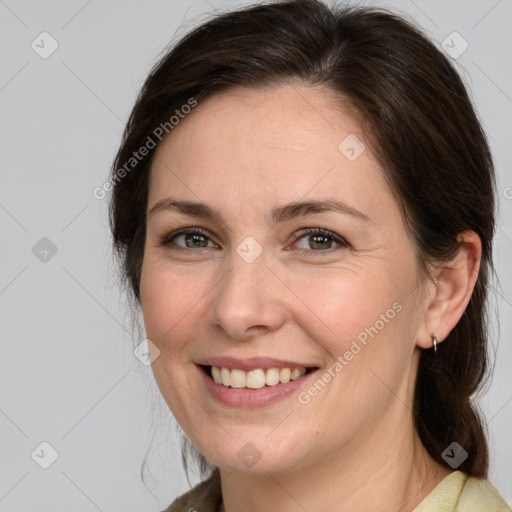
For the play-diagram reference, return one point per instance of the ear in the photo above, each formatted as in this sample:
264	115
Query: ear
448	296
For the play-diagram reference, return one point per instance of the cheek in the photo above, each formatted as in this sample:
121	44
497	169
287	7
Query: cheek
168	300
338	306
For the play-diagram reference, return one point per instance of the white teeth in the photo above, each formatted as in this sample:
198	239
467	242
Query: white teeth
255	379
238	379
296	374
216	375
284	375
225	375
272	377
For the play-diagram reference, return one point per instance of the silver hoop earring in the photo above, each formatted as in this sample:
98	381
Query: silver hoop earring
434	342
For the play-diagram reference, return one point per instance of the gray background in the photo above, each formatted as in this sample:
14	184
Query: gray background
68	373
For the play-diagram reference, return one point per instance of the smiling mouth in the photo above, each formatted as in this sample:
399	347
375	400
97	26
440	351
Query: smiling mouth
254	379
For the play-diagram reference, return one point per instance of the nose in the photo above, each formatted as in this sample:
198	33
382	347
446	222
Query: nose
249	300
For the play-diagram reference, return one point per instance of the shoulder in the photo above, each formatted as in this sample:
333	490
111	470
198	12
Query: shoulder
204	497
478	494
459	492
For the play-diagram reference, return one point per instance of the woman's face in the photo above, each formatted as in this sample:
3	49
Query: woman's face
255	292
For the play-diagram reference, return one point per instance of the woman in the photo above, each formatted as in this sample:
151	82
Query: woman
303	207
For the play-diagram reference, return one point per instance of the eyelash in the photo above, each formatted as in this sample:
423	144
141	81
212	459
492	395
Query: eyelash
342	243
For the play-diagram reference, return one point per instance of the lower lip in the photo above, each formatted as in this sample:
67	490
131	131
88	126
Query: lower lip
245	398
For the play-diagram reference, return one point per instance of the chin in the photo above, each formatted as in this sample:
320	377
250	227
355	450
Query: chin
257	458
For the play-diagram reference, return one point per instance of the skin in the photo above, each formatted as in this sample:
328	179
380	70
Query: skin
353	446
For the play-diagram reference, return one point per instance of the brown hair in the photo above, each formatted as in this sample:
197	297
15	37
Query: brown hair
425	133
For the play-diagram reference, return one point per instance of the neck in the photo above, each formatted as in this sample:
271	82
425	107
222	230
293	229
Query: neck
384	470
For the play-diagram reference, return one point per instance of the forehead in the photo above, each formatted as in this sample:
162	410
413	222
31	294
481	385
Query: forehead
289	142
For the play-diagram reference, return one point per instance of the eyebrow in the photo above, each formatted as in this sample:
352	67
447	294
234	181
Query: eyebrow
280	213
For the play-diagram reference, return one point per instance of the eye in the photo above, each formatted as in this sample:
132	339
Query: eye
191	238
313	239
319	240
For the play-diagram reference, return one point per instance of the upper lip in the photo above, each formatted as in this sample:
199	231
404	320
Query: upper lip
251	363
